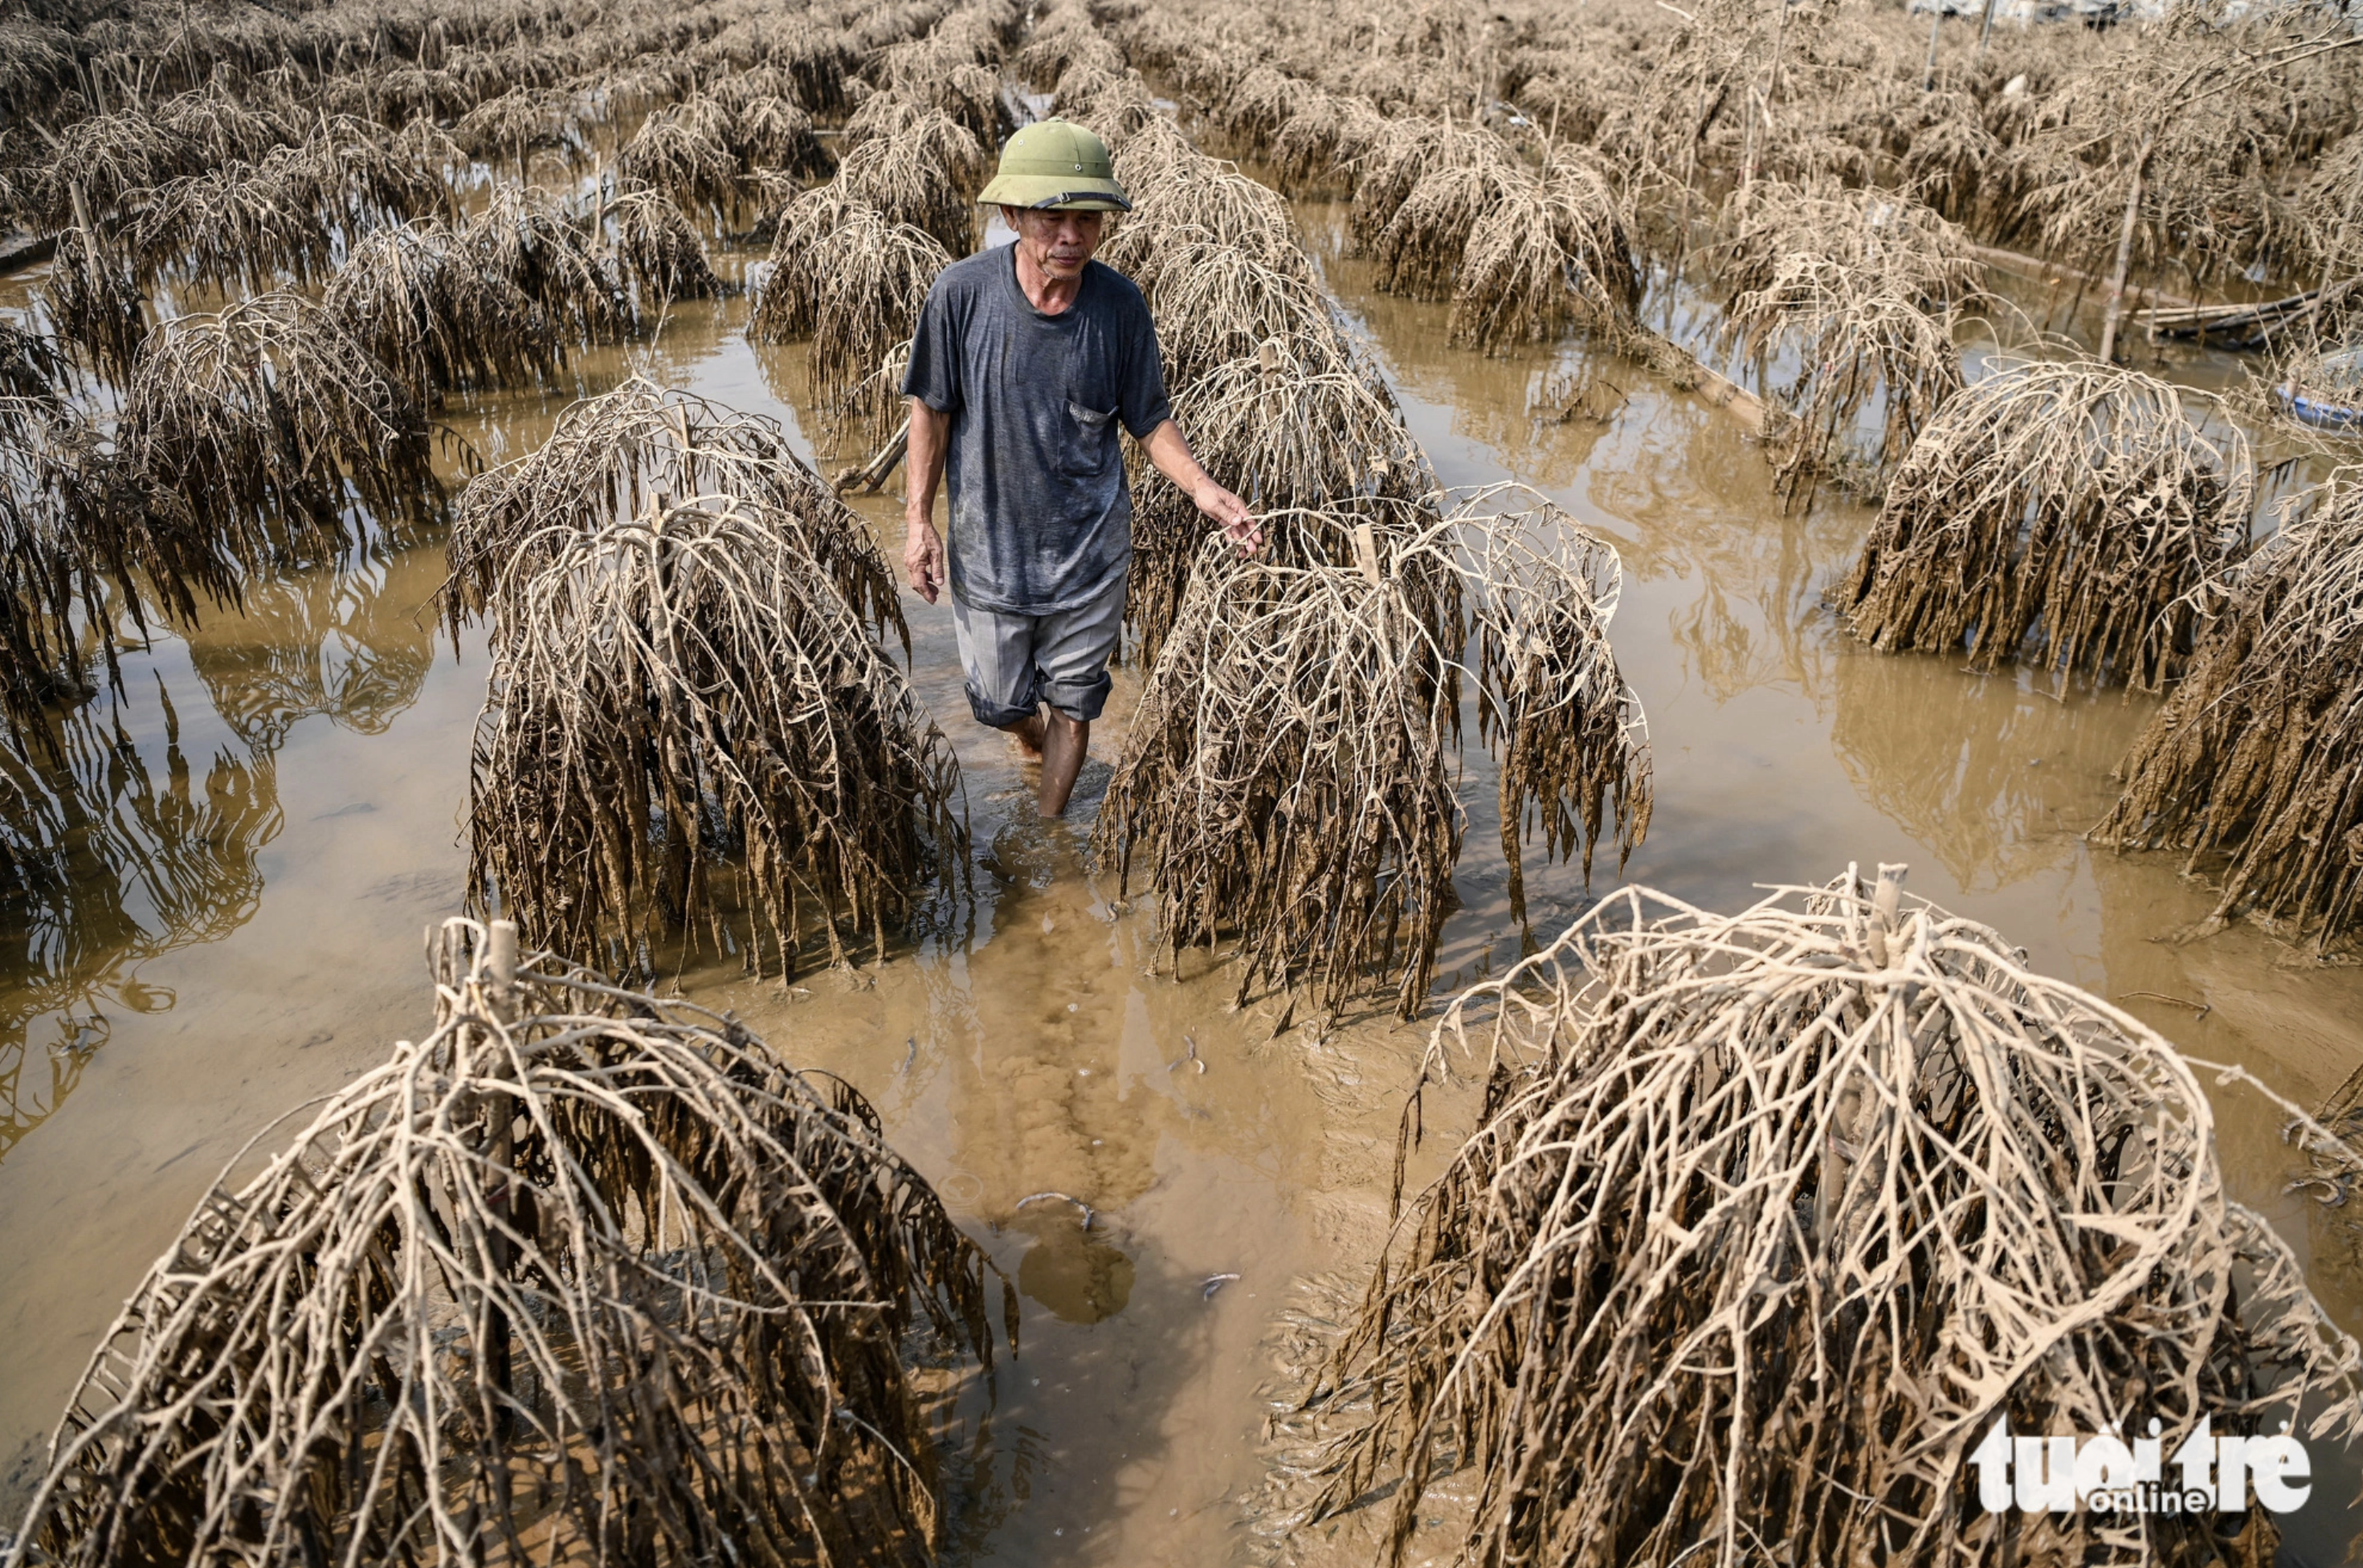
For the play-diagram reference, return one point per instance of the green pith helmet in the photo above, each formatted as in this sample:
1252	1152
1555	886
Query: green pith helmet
1056	163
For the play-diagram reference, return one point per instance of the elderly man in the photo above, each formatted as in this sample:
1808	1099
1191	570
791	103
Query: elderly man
1026	360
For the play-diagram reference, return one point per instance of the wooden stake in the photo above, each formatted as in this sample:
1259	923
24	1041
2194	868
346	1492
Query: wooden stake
2125	253
871	475
500	1153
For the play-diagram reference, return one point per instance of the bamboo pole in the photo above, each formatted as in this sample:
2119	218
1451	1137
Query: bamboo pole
1718	391
2123	263
871	475
500	1153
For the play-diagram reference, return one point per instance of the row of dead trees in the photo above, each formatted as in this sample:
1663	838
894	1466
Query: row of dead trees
2069	513
282	254
1763	1224
581	1275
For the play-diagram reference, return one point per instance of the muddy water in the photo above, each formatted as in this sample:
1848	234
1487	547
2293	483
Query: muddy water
285	791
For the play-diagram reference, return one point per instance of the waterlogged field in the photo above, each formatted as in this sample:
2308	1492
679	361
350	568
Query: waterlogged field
1188	1192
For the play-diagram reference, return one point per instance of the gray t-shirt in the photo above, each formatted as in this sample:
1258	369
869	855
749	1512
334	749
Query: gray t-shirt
1041	518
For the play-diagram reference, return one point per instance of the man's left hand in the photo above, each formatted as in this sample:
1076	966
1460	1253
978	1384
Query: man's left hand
1231	515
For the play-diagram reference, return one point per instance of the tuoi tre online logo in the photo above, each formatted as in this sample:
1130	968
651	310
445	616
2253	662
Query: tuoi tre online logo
2107	1474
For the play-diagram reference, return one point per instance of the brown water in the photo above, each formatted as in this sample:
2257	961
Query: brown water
287	790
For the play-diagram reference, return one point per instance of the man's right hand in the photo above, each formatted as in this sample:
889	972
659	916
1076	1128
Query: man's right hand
923	560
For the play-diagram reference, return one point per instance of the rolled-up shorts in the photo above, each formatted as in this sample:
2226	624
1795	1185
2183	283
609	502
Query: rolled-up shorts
1016	662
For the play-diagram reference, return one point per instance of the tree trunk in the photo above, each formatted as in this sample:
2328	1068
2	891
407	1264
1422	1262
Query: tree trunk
2123	263
1771	91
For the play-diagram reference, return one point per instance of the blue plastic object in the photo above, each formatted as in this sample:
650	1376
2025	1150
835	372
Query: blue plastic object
2332	398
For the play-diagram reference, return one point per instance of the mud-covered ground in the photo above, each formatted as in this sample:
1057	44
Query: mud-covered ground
293	777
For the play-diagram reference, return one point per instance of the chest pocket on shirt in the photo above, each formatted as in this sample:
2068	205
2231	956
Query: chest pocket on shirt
1091	442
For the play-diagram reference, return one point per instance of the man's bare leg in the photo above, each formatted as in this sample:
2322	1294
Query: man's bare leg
1063	742
1027	732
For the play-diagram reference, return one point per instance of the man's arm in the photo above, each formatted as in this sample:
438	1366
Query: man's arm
1169	451
922	551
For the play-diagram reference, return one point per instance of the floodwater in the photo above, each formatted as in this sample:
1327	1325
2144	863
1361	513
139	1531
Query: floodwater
284	791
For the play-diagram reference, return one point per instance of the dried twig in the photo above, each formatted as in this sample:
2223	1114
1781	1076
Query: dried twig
581	1276
1287	777
2065	512
610	456
272	409
2253	767
1770	1217
1865	288
687	730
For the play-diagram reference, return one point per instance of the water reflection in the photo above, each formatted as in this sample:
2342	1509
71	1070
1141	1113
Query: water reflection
1075	1271
332	638
1993	774
142	830
1748	613
1044	1106
39	1069
1674	483
119	848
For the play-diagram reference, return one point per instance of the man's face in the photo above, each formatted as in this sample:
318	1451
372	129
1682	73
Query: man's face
1058	242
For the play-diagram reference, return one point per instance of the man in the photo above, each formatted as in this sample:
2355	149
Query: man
1027	359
